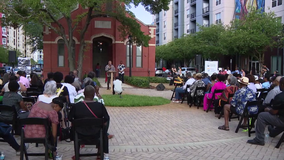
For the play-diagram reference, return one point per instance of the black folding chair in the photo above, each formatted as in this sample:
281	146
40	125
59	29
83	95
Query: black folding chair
36	121
280	141
174	91
262	93
81	139
185	94
213	98
199	99
222	110
250	118
13	121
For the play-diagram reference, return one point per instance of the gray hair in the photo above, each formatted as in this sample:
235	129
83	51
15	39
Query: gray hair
233	80
50	88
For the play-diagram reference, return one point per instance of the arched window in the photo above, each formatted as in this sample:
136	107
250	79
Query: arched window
60	52
139	56
127	55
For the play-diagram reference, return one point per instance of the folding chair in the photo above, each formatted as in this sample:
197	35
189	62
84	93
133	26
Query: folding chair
185	94
280	141
262	93
174	91
80	139
213	98
35	121
247	115
198	98
13	121
228	102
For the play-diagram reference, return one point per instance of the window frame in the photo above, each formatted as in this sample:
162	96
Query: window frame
141	56
60	43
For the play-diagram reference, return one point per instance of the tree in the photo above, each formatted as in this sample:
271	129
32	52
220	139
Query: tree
33	32
208	41
49	12
254	34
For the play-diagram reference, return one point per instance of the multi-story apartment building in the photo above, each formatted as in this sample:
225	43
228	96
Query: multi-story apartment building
3	33
17	40
37	55
276	6
164	23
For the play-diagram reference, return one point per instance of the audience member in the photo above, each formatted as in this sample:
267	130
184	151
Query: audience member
211	83
49	77
181	90
257	84
224	98
251	84
205	78
90	109
12	98
109	68
272	93
238	103
49	92
62	91
219	85
274	117
45	110
36	82
77	82
23	79
198	83
266	83
13	78
89	77
5	133
71	89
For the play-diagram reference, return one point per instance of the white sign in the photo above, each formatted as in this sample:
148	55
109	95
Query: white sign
211	67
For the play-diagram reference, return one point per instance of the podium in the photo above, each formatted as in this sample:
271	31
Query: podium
111	79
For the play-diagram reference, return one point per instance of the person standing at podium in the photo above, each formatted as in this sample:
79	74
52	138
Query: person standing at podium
109	68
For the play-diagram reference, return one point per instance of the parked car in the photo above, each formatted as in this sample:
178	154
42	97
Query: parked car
159	72
185	70
15	70
37	70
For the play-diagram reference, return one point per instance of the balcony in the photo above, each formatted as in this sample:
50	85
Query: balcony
193	16
192	2
205	11
192	31
157	31
157	41
187	31
176	25
175	37
157	20
176	12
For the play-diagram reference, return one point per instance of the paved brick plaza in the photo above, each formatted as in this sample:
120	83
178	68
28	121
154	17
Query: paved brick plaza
169	132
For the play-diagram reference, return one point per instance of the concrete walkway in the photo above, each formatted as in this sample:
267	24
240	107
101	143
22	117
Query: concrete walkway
104	84
169	132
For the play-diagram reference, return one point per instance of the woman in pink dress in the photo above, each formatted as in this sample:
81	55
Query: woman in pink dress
217	86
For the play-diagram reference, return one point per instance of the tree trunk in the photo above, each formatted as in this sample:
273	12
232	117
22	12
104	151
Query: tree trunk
82	41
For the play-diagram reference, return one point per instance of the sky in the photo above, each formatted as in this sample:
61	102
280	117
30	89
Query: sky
142	14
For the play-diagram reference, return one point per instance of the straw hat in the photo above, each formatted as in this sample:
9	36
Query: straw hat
244	80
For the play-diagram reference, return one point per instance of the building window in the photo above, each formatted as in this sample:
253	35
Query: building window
165	23
127	55
187	13
4	41
60	52
279	2
274	3
139	56
165	13
218	18
218	2
165	36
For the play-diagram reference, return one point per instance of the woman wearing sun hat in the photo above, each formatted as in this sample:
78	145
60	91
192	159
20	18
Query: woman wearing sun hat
238	103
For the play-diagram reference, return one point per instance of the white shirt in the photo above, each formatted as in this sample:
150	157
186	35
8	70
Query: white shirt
117	86
72	91
229	72
258	86
46	99
252	87
190	81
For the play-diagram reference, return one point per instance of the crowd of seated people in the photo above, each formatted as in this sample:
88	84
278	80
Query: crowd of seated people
55	96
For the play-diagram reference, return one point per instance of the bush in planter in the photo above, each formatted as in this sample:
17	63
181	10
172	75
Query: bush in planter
137	81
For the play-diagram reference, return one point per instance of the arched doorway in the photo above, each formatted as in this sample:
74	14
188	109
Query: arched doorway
102	53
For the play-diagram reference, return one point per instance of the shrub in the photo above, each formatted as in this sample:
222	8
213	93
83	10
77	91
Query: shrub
137	81
157	80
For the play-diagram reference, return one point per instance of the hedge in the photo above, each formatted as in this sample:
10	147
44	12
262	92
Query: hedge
144	82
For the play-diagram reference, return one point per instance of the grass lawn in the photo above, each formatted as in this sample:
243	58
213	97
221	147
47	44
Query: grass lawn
133	100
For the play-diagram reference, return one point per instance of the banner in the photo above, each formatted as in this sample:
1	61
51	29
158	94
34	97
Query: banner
24	64
211	67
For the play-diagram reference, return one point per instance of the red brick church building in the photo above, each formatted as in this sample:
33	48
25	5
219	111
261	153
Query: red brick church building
103	44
